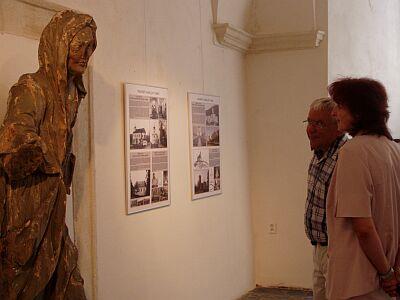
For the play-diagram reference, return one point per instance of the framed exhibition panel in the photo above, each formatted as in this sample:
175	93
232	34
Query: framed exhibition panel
146	147
205	154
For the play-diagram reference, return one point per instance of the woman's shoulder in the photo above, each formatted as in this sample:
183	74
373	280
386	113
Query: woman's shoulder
356	142
367	144
364	140
359	143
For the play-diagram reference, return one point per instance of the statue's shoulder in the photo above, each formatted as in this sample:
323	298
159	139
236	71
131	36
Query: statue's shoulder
30	81
31	85
28	93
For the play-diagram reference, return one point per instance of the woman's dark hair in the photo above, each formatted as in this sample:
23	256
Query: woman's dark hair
366	100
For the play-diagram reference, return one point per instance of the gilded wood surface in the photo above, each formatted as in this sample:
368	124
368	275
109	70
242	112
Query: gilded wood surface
38	259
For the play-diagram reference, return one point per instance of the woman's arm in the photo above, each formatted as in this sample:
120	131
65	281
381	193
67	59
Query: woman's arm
372	247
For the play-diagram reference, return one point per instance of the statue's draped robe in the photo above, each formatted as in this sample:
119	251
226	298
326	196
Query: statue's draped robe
38	258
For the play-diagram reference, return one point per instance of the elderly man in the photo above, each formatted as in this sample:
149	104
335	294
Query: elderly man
325	141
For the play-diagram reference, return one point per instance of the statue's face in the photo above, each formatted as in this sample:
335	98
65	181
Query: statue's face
80	50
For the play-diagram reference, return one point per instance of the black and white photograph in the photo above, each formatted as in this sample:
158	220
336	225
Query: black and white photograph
153	108
162	109
202	181
216	178
146	131
204	117
212	135
139	137
165	178
139	202
212	115
158	134
154	134
200	159
199	136
162	125
159	190
140	183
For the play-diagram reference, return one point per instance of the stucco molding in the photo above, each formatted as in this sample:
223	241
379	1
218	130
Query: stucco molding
247	43
253	43
286	41
232	37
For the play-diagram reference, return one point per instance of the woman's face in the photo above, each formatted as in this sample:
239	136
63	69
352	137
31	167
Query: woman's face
344	118
80	50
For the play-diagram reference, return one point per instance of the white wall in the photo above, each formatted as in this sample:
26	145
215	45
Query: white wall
281	85
204	249
18	56
282	16
190	250
237	13
364	40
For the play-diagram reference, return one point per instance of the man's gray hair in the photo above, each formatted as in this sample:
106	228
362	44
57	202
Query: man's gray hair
323	104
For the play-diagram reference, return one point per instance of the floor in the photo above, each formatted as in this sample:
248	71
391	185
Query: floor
261	293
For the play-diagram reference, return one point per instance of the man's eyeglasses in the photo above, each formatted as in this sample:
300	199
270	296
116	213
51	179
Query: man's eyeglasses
318	124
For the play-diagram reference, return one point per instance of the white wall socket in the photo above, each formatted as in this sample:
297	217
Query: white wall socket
272	228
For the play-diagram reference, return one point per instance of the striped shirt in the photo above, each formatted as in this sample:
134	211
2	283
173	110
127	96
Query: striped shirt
319	176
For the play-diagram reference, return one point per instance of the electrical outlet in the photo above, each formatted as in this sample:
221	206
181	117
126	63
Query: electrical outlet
272	228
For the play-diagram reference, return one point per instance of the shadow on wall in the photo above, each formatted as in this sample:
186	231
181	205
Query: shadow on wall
108	109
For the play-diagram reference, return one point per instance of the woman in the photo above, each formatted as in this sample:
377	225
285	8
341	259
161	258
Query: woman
363	203
38	258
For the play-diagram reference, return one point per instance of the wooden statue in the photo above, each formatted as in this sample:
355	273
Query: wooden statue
38	260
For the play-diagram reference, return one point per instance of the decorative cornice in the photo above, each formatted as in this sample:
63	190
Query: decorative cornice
244	42
232	37
286	41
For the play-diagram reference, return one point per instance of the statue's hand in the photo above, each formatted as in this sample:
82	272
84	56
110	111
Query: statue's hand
24	162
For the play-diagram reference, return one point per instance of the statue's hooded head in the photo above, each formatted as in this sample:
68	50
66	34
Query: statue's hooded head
55	47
